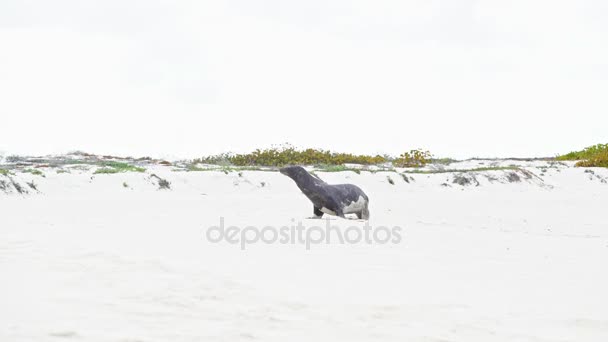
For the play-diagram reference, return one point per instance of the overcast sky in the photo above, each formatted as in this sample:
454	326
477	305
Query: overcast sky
185	78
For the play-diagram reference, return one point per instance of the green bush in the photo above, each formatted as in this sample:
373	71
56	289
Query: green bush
593	156
117	167
413	158
586	153
34	172
599	160
288	155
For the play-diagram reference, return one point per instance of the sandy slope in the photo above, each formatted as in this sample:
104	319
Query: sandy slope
88	259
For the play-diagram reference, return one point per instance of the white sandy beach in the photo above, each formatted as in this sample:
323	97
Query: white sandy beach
130	130
85	258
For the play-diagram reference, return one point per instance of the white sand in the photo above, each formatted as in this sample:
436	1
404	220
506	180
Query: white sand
88	259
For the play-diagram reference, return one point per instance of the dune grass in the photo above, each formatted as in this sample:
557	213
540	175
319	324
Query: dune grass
592	156
34	172
118	167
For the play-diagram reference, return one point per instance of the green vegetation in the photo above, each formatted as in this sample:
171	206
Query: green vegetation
478	169
340	168
287	155
586	153
225	169
598	161
413	158
106	170
4	172
220	159
34	172
593	156
117	167
336	168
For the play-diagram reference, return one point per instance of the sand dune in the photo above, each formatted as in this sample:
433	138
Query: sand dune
514	254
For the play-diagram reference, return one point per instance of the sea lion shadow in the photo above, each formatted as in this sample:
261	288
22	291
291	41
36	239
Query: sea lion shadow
336	218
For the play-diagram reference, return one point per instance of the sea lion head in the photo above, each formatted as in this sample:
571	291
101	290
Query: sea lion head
293	172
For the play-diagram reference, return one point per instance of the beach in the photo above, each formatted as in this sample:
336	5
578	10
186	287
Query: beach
117	257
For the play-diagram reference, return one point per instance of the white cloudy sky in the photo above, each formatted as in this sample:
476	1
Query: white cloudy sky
185	78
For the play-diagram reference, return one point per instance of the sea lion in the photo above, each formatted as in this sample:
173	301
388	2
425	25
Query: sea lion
337	199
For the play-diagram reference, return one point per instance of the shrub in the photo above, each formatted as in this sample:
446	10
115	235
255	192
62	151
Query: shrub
586	153
282	155
413	158
593	156
599	160
290	155
287	154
